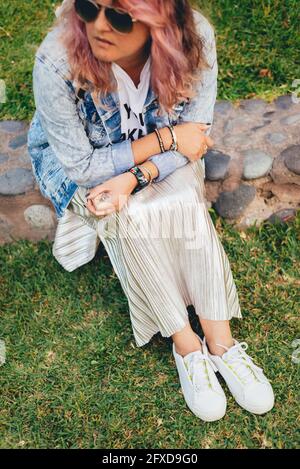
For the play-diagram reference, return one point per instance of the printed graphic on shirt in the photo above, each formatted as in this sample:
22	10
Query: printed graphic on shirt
131	100
134	125
133	131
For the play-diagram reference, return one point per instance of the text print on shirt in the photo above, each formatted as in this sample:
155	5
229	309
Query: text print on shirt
131	132
132	100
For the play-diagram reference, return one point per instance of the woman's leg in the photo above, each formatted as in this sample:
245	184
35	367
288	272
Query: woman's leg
186	341
216	332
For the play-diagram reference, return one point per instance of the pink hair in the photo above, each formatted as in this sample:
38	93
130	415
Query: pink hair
173	38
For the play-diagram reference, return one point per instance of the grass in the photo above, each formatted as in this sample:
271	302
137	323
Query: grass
74	377
258	46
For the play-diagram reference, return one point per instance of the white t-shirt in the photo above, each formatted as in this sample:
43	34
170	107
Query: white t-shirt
132	100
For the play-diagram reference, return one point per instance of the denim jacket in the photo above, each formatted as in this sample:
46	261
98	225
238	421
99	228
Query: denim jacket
73	142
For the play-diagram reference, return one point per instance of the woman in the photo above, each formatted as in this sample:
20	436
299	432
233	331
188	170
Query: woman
123	92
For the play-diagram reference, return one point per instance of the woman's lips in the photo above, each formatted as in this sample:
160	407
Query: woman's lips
103	41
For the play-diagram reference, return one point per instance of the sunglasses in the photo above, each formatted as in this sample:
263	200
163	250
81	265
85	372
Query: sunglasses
118	18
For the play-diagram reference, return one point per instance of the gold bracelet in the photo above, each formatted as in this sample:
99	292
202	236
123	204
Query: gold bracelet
174	145
148	171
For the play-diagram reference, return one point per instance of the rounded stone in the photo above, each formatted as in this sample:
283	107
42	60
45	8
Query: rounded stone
236	139
291	156
291	120
222	107
39	217
275	137
256	164
3	158
18	141
257	127
233	204
16	181
12	126
269	114
282	216
24	158
235	123
216	165
228	126
284	102
253	105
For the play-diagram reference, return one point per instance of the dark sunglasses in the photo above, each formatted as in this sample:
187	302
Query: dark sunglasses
118	18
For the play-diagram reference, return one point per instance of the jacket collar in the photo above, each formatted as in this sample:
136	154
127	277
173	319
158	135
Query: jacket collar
113	102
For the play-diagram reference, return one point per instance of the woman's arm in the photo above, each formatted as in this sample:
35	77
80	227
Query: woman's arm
85	165
201	107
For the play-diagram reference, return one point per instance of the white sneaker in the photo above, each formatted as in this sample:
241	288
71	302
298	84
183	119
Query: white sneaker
201	389
246	381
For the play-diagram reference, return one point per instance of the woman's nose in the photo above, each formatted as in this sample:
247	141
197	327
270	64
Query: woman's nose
101	22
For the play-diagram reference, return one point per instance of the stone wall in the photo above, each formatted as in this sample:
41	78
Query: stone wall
252	174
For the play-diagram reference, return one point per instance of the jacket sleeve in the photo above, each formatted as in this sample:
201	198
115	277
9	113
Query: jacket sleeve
198	109
82	163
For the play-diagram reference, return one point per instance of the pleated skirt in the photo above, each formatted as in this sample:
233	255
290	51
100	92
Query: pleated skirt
167	255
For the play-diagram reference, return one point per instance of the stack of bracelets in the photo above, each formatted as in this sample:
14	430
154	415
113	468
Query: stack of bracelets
142	180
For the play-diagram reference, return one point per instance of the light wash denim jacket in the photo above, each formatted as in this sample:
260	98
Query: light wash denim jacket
73	142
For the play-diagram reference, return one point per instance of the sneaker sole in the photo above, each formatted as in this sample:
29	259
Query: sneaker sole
204	417
254	410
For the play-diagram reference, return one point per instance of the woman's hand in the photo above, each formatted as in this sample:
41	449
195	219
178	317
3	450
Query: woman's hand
119	188
192	140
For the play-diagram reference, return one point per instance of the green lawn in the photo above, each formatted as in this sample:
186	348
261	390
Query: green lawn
75	379
252	36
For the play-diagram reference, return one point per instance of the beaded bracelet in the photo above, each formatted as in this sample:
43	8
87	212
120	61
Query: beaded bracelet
161	143
141	179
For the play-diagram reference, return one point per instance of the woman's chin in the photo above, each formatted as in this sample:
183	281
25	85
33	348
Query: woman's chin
103	55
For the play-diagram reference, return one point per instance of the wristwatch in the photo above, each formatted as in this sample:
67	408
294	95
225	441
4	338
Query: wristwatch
142	180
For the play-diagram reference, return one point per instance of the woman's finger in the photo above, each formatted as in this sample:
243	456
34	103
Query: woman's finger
95	192
92	196
101	205
202	125
90	207
209	141
100	213
106	209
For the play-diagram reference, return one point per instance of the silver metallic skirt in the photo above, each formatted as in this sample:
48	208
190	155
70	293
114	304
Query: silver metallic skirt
166	253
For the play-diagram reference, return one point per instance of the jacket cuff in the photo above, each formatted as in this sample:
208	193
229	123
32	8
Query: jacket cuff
167	163
122	155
